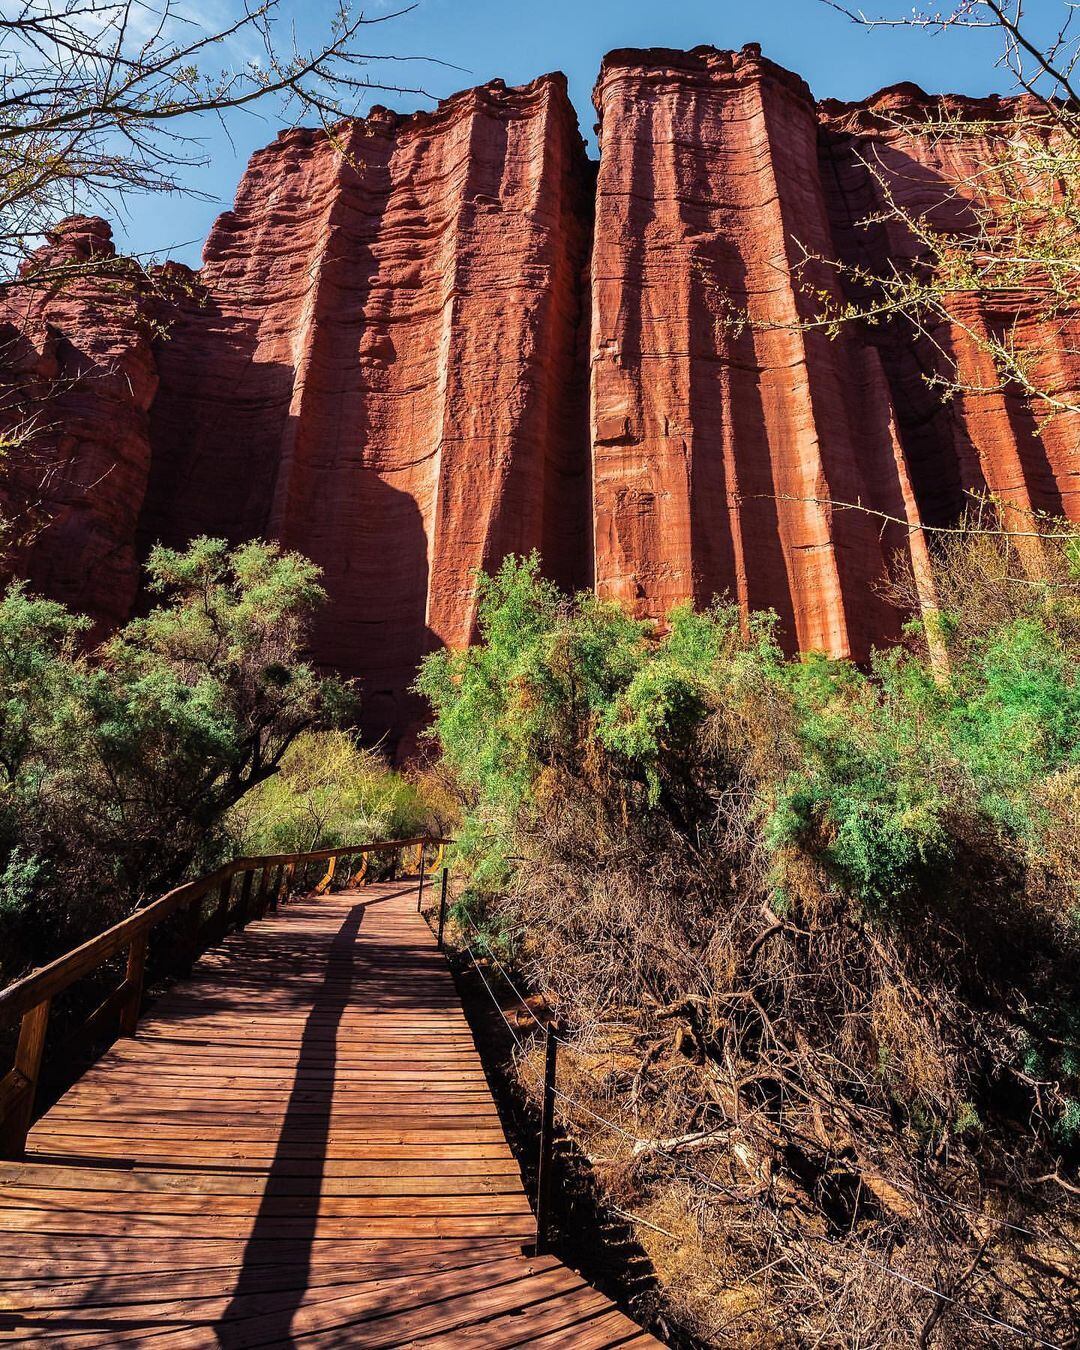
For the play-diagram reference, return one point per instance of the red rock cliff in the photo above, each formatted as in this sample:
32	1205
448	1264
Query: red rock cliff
77	378
382	370
431	340
717	450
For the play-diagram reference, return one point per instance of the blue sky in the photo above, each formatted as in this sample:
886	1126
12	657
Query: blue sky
520	39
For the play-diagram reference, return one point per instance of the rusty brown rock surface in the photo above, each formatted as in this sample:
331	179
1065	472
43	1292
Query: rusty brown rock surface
430	340
382	370
77	378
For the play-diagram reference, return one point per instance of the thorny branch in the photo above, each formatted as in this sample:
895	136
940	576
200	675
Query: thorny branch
102	99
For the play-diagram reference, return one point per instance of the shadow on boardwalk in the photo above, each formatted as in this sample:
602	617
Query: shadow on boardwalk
306	1130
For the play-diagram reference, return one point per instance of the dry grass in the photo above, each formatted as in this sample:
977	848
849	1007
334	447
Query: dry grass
752	1066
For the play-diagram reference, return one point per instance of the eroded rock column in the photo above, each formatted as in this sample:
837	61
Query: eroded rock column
724	432
391	384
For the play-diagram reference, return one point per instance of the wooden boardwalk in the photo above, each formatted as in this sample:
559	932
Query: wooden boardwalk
299	1148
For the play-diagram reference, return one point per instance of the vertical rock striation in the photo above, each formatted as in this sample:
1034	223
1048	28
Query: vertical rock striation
422	342
382	370
77	378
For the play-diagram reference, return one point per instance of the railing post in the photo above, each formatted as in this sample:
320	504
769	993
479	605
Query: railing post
262	900
221	911
193	919
133	979
547	1126
327	878
21	1084
244	905
420	889
442	907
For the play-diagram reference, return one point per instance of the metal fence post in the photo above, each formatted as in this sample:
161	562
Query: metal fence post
547	1126
442	907
420	889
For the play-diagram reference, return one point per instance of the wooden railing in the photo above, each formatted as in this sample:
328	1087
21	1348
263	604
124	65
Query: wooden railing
234	906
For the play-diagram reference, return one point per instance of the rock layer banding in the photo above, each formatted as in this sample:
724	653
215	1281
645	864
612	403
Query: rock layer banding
427	341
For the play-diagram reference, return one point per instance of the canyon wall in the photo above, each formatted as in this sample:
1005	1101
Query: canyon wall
426	341
719	448
77	379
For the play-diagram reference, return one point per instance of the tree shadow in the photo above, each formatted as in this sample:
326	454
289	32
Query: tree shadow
288	1210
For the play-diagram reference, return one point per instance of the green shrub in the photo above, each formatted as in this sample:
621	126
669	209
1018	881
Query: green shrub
330	791
118	765
853	891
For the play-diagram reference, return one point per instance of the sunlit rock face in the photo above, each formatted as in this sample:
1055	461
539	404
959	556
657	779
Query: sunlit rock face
719	447
382	371
77	379
426	341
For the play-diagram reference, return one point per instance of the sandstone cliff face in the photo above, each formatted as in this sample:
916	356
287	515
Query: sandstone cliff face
77	378
718	448
381	370
431	340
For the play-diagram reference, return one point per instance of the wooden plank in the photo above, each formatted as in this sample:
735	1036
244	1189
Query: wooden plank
299	1148
38	1261
448	1180
209	1223
296	1203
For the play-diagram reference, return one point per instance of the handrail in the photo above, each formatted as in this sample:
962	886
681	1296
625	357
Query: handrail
31	997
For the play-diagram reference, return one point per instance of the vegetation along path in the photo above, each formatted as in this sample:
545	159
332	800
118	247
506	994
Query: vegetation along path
299	1147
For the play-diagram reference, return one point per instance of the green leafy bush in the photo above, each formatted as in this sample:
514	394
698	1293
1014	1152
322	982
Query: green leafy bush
854	891
329	791
118	765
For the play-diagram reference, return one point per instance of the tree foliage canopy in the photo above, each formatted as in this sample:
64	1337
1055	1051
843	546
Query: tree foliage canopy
118	764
